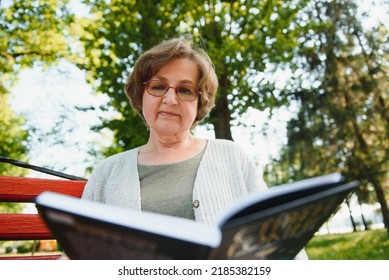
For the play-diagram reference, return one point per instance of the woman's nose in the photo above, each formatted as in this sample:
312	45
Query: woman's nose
170	96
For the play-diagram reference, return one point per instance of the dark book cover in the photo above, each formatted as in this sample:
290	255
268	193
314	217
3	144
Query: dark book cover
272	225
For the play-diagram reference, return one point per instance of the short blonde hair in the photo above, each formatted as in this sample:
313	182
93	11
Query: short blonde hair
151	61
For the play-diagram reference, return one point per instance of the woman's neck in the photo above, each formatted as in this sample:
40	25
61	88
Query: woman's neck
170	149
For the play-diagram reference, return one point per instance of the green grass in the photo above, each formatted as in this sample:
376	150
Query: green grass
361	245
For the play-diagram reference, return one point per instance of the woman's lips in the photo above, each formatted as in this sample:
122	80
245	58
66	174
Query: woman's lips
168	114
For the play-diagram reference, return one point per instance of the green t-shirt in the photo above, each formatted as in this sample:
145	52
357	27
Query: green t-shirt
168	188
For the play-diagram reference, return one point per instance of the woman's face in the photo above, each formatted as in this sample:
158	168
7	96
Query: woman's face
168	114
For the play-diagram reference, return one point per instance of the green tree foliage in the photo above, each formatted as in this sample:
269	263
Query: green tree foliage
32	31
12	138
244	40
341	87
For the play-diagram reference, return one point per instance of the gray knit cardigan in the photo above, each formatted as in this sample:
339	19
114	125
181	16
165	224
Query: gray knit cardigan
225	174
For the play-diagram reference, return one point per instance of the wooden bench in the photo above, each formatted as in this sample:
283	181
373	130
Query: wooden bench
30	226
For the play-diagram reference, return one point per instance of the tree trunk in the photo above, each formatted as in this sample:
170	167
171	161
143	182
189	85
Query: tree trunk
221	114
384	205
351	216
363	216
222	119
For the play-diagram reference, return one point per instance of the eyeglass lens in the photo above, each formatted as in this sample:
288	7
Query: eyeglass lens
160	88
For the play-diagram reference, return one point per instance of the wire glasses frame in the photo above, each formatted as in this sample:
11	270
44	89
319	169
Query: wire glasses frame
159	88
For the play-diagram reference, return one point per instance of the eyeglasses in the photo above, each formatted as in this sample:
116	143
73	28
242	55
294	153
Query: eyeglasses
160	88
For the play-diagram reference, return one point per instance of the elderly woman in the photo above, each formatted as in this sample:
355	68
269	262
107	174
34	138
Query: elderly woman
173	88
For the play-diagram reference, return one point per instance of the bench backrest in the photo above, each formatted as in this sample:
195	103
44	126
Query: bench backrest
30	226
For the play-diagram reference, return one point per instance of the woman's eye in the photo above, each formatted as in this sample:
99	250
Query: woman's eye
185	91
159	87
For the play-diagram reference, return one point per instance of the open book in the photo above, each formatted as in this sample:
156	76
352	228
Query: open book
269	225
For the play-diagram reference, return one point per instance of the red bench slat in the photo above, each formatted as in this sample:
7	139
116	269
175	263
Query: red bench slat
30	226
18	189
23	227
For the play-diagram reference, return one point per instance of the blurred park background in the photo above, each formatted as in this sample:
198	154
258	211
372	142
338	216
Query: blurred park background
303	87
